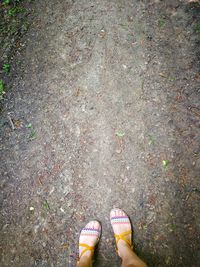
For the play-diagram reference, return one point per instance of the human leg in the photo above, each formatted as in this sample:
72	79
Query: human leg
123	234
89	238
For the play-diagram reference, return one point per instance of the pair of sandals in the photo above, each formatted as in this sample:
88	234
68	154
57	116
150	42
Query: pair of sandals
90	234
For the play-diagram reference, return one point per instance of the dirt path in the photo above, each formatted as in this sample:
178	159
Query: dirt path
106	94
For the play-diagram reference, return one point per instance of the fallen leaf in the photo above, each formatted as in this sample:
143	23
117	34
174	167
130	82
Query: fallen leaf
163	75
17	123
165	163
120	134
29	125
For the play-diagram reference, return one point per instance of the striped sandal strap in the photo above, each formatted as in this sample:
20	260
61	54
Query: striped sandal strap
120	220
91	232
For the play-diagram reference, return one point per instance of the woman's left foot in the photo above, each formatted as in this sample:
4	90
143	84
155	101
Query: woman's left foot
89	238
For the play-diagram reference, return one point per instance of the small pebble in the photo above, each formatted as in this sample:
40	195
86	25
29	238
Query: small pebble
61	209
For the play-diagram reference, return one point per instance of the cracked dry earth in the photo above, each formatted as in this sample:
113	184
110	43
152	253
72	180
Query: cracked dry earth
105	110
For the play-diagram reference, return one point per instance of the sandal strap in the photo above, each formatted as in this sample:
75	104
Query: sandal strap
120	220
122	236
85	249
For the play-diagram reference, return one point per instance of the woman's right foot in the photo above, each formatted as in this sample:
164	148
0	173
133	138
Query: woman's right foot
122	229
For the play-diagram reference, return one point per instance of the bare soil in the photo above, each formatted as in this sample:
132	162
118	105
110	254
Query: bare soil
103	111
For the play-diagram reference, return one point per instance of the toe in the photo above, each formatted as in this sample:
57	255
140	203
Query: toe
89	225
112	213
97	225
92	224
118	212
123	213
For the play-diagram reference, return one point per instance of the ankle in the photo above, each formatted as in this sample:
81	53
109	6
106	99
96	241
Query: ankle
123	249
85	260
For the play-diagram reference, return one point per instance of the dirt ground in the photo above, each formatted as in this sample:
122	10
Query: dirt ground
103	111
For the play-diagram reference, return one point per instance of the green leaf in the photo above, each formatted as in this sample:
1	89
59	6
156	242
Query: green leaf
165	163
46	205
29	125
120	134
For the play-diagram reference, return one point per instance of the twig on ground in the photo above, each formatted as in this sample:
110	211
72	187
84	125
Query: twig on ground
11	123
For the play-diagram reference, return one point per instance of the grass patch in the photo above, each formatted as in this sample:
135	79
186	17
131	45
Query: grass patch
14	10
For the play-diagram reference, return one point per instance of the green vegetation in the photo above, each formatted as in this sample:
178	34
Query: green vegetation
197	28
162	22
6	2
29	125
14	10
46	205
14	24
165	163
151	140
6	68
32	135
2	89
120	134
